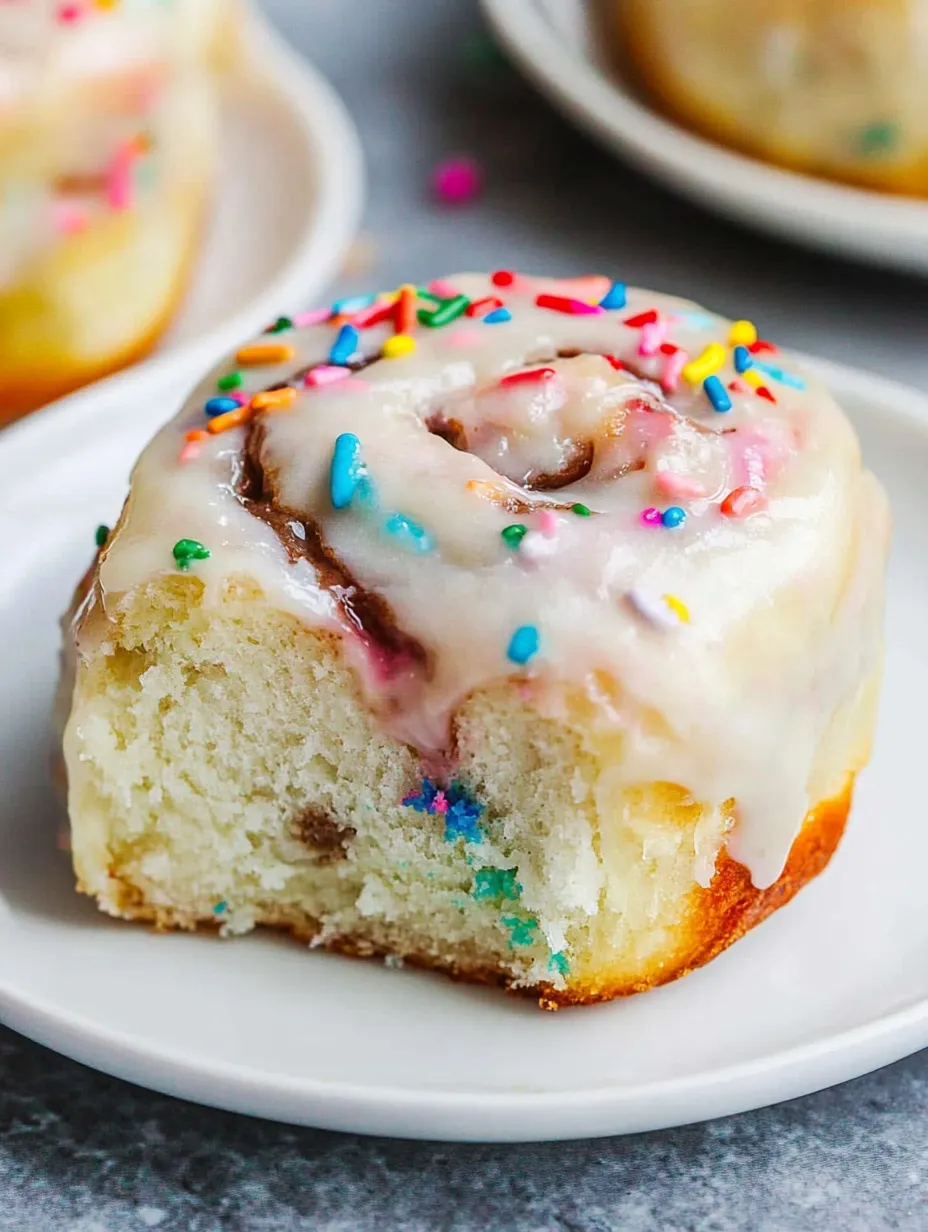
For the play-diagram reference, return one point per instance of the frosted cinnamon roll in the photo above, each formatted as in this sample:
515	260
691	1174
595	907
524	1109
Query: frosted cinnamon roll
107	146
521	628
833	87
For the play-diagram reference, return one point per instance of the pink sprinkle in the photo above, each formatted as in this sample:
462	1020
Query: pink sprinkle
69	13
443	289
547	523
68	218
326	374
189	451
669	483
457	181
672	369
565	303
315	316
651	517
119	178
463	338
440	803
652	335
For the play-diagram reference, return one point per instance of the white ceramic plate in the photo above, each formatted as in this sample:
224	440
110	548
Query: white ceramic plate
287	205
555	43
830	987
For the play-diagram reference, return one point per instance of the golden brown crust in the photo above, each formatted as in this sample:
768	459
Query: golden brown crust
718	916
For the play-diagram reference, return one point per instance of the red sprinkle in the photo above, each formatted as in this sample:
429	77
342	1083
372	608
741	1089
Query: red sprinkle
615	361
667	348
373	315
742	501
405	318
573	307
529	378
503	278
480	307
760	347
763	392
643	318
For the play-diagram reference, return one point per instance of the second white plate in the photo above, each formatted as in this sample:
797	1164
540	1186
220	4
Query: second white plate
287	203
554	41
828	988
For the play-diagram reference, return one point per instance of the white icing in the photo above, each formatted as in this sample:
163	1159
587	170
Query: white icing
783	605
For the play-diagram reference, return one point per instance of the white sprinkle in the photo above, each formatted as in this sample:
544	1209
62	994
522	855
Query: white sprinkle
653	608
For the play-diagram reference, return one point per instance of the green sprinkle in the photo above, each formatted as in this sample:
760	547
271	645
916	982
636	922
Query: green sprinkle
281	324
513	535
582	511
877	138
495	883
186	550
425	293
231	380
447	311
521	930
101	536
559	963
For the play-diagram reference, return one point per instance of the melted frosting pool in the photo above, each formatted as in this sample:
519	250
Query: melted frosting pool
721	646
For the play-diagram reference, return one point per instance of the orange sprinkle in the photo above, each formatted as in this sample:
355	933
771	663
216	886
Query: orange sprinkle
489	491
273	399
189	451
264	353
405	320
196	434
231	419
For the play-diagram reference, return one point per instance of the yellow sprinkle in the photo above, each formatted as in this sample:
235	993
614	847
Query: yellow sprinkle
231	419
398	345
678	607
273	399
705	365
743	333
264	353
753	378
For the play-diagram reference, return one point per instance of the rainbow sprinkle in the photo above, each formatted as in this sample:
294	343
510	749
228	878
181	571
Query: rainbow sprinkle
187	550
523	645
460	809
345	346
495	884
346	471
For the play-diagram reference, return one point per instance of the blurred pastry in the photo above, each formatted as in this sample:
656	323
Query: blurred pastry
107	148
836	88
522	628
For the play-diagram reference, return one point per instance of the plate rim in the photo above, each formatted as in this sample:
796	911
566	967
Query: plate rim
876	228
460	1115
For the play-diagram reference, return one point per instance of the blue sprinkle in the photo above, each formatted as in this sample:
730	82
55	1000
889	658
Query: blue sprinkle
524	643
743	359
409	533
615	297
559	963
696	320
461	822
352	303
220	907
423	800
495	883
345	346
218	406
673	517
521	931
717	394
346	471
785	378
497	316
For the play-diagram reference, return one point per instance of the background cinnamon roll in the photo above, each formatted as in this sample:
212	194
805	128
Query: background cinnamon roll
833	87
107	149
